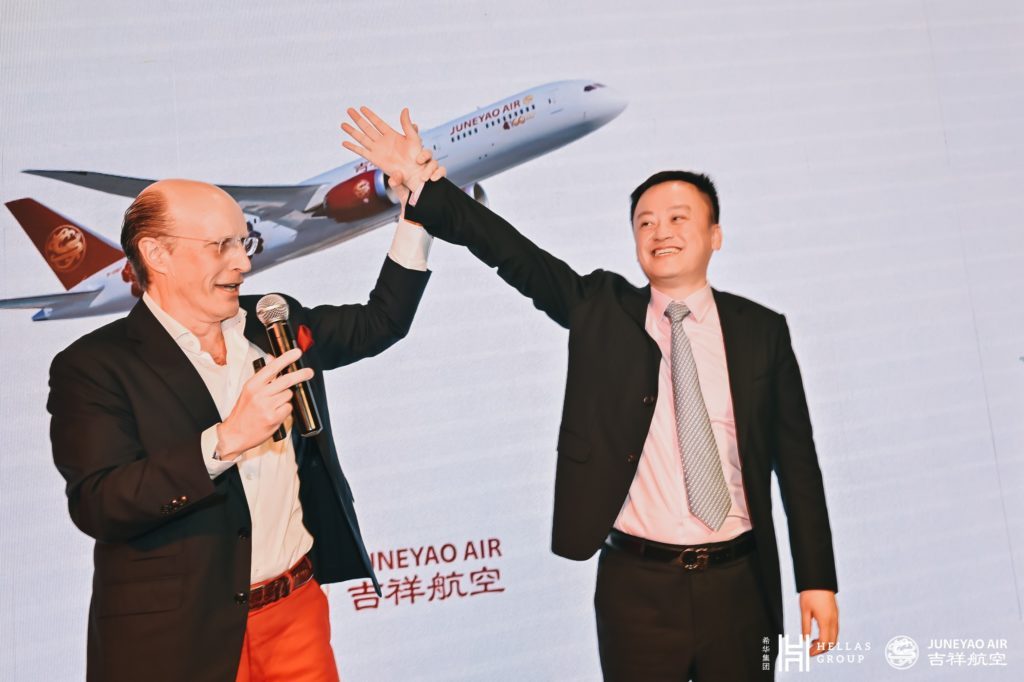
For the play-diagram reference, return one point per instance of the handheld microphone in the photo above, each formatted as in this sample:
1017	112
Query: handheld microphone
272	311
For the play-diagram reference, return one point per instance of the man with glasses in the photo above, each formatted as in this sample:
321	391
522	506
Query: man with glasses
211	535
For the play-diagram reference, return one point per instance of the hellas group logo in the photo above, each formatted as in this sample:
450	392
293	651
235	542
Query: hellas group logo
65	248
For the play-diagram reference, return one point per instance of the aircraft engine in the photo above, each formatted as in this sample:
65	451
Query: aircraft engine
476	190
358	197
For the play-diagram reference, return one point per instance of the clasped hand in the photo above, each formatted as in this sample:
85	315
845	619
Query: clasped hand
401	156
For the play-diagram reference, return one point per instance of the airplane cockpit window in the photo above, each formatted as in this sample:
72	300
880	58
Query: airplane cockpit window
593	86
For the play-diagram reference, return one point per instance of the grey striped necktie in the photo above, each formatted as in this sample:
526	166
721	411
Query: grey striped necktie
706	491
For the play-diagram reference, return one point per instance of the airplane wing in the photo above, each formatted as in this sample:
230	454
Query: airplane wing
50	300
269	202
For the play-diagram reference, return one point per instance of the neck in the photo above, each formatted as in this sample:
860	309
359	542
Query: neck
677	291
210	334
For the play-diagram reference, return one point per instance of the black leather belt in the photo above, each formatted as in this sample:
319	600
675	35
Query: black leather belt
689	557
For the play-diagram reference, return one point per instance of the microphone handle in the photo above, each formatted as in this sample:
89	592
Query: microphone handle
280	434
282	341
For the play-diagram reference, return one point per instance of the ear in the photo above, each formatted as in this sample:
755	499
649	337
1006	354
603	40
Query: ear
716	237
154	255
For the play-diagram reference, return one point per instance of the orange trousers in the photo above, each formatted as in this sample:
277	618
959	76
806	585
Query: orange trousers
289	640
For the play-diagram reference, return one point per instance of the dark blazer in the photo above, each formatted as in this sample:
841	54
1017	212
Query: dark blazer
612	387
172	549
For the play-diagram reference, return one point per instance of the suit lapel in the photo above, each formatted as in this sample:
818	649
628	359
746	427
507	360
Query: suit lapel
159	351
737	360
634	301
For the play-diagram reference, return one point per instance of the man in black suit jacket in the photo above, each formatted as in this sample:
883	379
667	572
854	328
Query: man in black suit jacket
709	609
155	415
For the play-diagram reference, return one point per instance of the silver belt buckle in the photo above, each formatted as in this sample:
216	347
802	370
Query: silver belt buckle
695	559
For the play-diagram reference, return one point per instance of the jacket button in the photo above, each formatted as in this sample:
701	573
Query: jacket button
649	400
243	533
241	598
630	458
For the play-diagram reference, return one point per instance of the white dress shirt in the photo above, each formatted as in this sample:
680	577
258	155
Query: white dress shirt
268	471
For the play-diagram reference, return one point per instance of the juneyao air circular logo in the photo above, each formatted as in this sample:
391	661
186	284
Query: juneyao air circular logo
65	248
901	652
362	189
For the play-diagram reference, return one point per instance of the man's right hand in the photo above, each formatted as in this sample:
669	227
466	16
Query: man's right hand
262	406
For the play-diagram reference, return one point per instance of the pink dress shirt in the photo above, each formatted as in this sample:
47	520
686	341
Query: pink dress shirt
656	506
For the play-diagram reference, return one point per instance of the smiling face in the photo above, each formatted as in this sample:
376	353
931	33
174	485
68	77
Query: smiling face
190	280
675	235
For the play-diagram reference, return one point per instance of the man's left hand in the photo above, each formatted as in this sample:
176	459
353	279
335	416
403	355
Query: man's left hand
399	155
820	605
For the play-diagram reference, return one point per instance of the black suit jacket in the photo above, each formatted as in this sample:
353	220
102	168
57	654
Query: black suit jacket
612	386
172	553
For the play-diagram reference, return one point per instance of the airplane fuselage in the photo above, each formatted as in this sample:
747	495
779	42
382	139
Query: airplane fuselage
353	199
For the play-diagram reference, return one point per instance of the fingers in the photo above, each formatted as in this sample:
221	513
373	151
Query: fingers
828	631
277	365
281	398
376	120
364	125
828	634
269	375
424	156
439	173
408	127
396	179
286	381
355	135
282	411
365	153
361	122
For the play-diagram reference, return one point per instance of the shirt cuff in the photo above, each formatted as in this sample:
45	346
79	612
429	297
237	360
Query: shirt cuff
208	443
411	246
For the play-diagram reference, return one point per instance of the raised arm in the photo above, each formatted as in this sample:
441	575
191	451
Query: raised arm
346	333
449	214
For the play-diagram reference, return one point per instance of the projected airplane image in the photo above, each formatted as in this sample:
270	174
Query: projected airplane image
297	220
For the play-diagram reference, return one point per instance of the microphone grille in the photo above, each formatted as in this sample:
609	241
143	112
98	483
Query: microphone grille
272	308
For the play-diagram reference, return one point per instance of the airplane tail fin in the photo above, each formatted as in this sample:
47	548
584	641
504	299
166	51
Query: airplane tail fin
71	251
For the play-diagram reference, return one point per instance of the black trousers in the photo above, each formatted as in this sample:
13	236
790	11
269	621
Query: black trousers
658	623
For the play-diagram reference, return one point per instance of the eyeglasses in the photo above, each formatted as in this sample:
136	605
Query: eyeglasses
251	244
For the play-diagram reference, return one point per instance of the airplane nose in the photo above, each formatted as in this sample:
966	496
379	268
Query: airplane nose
614	101
607	104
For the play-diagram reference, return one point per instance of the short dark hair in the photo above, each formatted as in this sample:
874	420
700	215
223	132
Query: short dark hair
699	180
146	217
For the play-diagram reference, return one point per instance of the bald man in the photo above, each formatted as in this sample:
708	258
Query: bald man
211	537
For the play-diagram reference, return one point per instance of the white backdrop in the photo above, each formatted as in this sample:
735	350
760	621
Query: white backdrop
868	158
